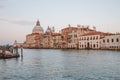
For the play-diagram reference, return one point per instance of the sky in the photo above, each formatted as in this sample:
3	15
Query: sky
18	17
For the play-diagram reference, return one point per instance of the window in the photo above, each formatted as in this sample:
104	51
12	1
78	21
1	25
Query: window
117	40
93	45
103	41
91	38
75	35
96	37
88	38
112	40
108	40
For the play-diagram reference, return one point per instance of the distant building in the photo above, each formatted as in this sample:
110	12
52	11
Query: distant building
91	40
34	40
16	44
47	38
81	37
111	42
56	40
70	35
38	28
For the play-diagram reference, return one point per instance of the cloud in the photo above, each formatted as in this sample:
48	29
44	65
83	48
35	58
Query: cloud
23	22
19	22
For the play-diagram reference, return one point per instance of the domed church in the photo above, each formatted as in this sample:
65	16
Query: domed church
38	28
34	39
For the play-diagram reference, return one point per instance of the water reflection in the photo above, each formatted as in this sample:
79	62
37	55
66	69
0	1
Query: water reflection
48	64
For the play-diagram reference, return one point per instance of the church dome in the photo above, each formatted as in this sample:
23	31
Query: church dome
48	30
37	28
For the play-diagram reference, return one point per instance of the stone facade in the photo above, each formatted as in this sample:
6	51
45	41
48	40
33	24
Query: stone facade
79	37
56	39
70	35
111	42
91	40
34	40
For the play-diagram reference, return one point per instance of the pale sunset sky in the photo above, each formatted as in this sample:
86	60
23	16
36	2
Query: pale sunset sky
18	17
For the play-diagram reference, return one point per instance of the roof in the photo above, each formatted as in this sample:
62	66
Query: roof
56	34
94	33
69	28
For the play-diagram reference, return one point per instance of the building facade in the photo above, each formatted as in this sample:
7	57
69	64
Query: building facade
81	37
111	42
91	40
56	39
34	40
47	38
70	35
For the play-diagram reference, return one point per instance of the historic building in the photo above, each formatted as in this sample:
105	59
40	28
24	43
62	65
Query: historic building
111	42
56	40
34	40
16	44
91	40
81	37
70	35
47	38
38	28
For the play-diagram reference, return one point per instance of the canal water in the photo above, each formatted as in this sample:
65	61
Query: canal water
57	64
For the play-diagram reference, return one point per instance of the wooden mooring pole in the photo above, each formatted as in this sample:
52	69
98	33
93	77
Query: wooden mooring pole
21	51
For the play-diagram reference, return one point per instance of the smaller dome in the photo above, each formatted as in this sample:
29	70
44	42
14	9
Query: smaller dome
48	30
37	28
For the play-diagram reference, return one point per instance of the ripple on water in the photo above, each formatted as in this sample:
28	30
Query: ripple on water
48	64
